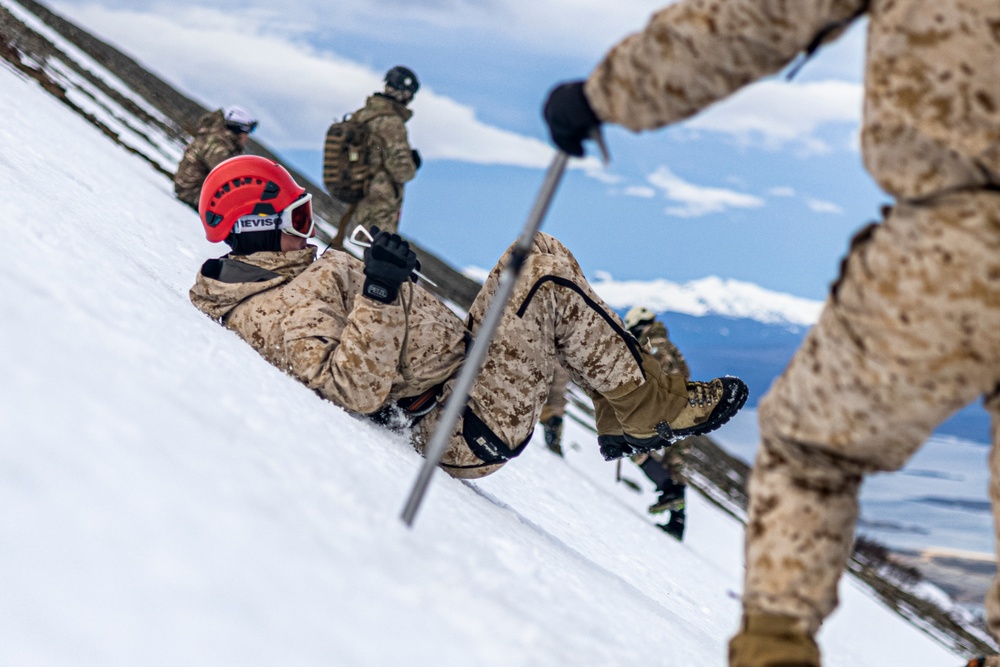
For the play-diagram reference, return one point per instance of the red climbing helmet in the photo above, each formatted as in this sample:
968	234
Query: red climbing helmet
251	185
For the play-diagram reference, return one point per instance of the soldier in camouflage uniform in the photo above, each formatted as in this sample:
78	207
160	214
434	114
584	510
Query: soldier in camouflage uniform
390	158
910	332
364	336
664	467
222	134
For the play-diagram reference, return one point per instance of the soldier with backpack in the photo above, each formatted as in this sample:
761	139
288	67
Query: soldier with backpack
367	157
222	134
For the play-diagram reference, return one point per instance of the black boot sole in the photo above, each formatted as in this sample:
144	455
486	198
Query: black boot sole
735	394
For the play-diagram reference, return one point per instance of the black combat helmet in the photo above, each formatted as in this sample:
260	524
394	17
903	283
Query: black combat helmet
402	78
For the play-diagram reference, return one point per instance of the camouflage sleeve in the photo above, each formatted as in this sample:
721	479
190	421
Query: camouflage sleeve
350	358
696	52
670	357
216	151
396	156
555	402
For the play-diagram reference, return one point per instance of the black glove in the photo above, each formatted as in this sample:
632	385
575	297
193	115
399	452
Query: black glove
570	117
388	264
415	154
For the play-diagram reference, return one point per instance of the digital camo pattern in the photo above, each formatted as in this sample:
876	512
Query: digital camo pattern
391	164
932	107
656	340
909	334
555	402
309	318
562	322
316	326
214	144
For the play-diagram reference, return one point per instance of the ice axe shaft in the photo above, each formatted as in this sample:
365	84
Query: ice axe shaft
477	353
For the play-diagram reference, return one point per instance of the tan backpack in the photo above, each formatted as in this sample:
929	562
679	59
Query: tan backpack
346	171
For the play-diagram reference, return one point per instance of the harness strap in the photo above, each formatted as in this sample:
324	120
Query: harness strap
821	36
420	405
486	444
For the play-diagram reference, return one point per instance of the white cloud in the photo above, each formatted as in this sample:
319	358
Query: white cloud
777	114
295	90
639	191
782	191
696	200
586	28
822	206
710	295
596	169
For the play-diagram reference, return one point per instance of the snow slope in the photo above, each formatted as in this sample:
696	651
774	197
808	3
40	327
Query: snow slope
167	497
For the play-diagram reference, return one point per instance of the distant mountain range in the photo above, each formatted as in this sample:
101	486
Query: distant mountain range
711	296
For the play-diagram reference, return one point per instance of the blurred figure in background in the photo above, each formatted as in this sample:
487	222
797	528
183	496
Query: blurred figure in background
222	134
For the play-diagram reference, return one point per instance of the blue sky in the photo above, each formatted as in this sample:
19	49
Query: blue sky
766	187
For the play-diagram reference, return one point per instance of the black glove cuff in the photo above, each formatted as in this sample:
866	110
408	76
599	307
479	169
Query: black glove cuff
379	290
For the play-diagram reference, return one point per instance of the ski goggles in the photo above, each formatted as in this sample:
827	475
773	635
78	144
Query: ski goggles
297	218
241	126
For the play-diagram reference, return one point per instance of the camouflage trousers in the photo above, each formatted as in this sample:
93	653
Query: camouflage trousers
555	402
553	317
673	459
909	334
375	210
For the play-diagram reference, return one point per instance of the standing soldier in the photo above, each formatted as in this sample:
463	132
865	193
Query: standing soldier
910	332
390	161
222	134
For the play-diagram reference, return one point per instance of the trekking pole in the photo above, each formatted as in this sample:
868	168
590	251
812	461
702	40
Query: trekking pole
481	343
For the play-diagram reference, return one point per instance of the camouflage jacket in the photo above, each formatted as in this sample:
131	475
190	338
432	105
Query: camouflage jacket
656	340
389	153
932	107
308	318
213	144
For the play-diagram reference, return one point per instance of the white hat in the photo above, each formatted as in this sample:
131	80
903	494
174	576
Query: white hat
637	315
239	118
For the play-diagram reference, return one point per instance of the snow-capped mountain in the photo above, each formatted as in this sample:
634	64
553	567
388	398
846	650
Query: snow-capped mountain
710	296
722	297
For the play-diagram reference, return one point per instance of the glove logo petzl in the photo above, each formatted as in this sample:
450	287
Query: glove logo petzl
377	292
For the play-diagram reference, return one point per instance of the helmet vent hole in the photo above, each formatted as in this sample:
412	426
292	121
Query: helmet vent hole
271	190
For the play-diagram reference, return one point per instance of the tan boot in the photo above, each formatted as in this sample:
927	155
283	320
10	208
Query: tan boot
666	408
765	640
